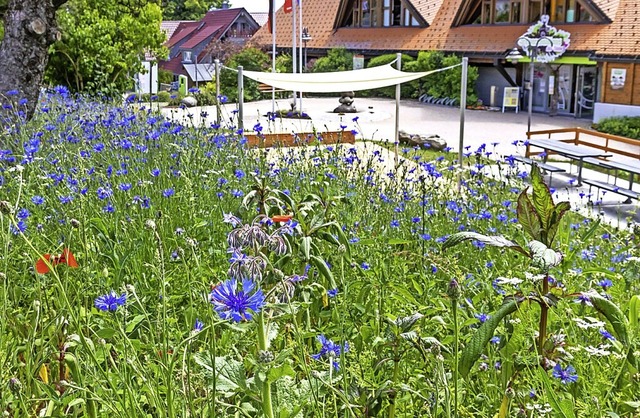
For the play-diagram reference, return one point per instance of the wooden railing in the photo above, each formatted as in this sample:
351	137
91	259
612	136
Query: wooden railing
616	145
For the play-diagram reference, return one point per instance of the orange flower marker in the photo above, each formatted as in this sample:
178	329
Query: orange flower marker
281	218
65	258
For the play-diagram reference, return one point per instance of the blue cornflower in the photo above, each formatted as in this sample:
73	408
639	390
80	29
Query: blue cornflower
495	340
395	223
23	214
237	305
567	375
197	327
16	229
482	317
104	192
607	335
365	266
332	293
110	301
37	200
13	93
168	192
330	350
238	173
155	172
605	284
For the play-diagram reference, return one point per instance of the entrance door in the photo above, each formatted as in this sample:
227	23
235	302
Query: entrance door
585	91
565	89
540	88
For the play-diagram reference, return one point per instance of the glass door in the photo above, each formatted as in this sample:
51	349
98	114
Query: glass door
585	91
565	89
540	88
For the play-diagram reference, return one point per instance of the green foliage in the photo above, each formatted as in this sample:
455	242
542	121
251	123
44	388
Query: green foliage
627	126
250	58
165	76
407	90
337	59
103	44
187	9
444	83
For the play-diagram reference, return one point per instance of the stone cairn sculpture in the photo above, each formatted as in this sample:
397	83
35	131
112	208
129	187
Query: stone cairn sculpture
346	103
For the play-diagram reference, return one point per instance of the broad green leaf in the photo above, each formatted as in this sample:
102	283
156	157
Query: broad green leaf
277	372
306	247
544	257
613	314
480	339
541	198
562	407
528	217
323	268
558	212
134	323
634	311
495	241
106	333
504	407
229	373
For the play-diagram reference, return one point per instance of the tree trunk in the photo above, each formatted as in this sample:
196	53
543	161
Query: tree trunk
29	29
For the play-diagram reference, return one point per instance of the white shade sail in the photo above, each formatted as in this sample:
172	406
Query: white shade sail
365	79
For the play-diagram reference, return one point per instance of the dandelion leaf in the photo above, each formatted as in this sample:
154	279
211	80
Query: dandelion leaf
480	339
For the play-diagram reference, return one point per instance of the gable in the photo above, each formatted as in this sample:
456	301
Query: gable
378	14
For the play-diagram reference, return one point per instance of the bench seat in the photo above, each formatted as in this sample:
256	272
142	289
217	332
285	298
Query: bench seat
612	188
544	166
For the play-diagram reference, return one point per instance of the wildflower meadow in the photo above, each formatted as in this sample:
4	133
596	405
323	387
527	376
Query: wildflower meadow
153	268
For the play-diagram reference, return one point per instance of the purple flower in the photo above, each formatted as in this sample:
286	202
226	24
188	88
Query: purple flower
330	350
237	304
607	335
110	301
567	375
332	293
197	327
168	192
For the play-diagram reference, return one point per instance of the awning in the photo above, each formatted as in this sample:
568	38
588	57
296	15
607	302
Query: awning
365	79
206	72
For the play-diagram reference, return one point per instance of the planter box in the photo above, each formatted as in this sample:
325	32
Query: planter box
302	138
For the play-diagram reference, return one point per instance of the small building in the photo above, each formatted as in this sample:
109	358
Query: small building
191	43
598	75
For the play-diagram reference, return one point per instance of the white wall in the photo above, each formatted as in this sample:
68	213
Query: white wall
607	110
149	75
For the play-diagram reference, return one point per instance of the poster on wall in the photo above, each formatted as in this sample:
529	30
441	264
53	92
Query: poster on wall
618	77
358	62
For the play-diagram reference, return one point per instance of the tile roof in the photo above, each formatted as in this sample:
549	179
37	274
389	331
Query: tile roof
183	30
201	35
170	26
621	38
260	17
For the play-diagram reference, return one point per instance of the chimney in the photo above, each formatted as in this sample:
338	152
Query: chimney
225	4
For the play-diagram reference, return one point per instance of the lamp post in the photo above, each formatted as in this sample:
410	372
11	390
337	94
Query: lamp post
534	45
306	37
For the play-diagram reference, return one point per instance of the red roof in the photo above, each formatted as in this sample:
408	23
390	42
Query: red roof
620	38
199	36
183	30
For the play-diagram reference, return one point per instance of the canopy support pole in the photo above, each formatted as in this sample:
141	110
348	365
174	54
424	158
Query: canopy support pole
273	54
218	110
463	106
240	97
398	94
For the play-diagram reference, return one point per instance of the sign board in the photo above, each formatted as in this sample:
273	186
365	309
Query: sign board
618	78
511	98
358	62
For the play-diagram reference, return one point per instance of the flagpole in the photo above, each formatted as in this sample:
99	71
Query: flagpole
300	47
293	47
273	53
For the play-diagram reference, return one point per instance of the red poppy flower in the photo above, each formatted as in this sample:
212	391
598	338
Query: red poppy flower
65	258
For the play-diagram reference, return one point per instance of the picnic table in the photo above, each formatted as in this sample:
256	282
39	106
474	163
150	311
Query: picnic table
575	152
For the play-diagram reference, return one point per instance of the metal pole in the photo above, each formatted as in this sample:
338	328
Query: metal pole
300	46
463	105
218	110
240	97
530	105
293	43
398	94
273	57
196	58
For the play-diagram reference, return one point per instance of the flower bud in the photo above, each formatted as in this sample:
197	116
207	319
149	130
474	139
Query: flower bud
454	291
75	223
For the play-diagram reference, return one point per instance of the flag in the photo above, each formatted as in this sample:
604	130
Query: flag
288	6
270	19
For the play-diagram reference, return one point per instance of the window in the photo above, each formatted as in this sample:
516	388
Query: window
186	56
488	12
380	13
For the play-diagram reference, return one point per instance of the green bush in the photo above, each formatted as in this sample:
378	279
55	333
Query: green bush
627	126
444	83
164	96
406	90
251	59
337	59
165	76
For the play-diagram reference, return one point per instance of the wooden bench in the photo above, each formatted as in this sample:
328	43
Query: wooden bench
630	194
265	88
